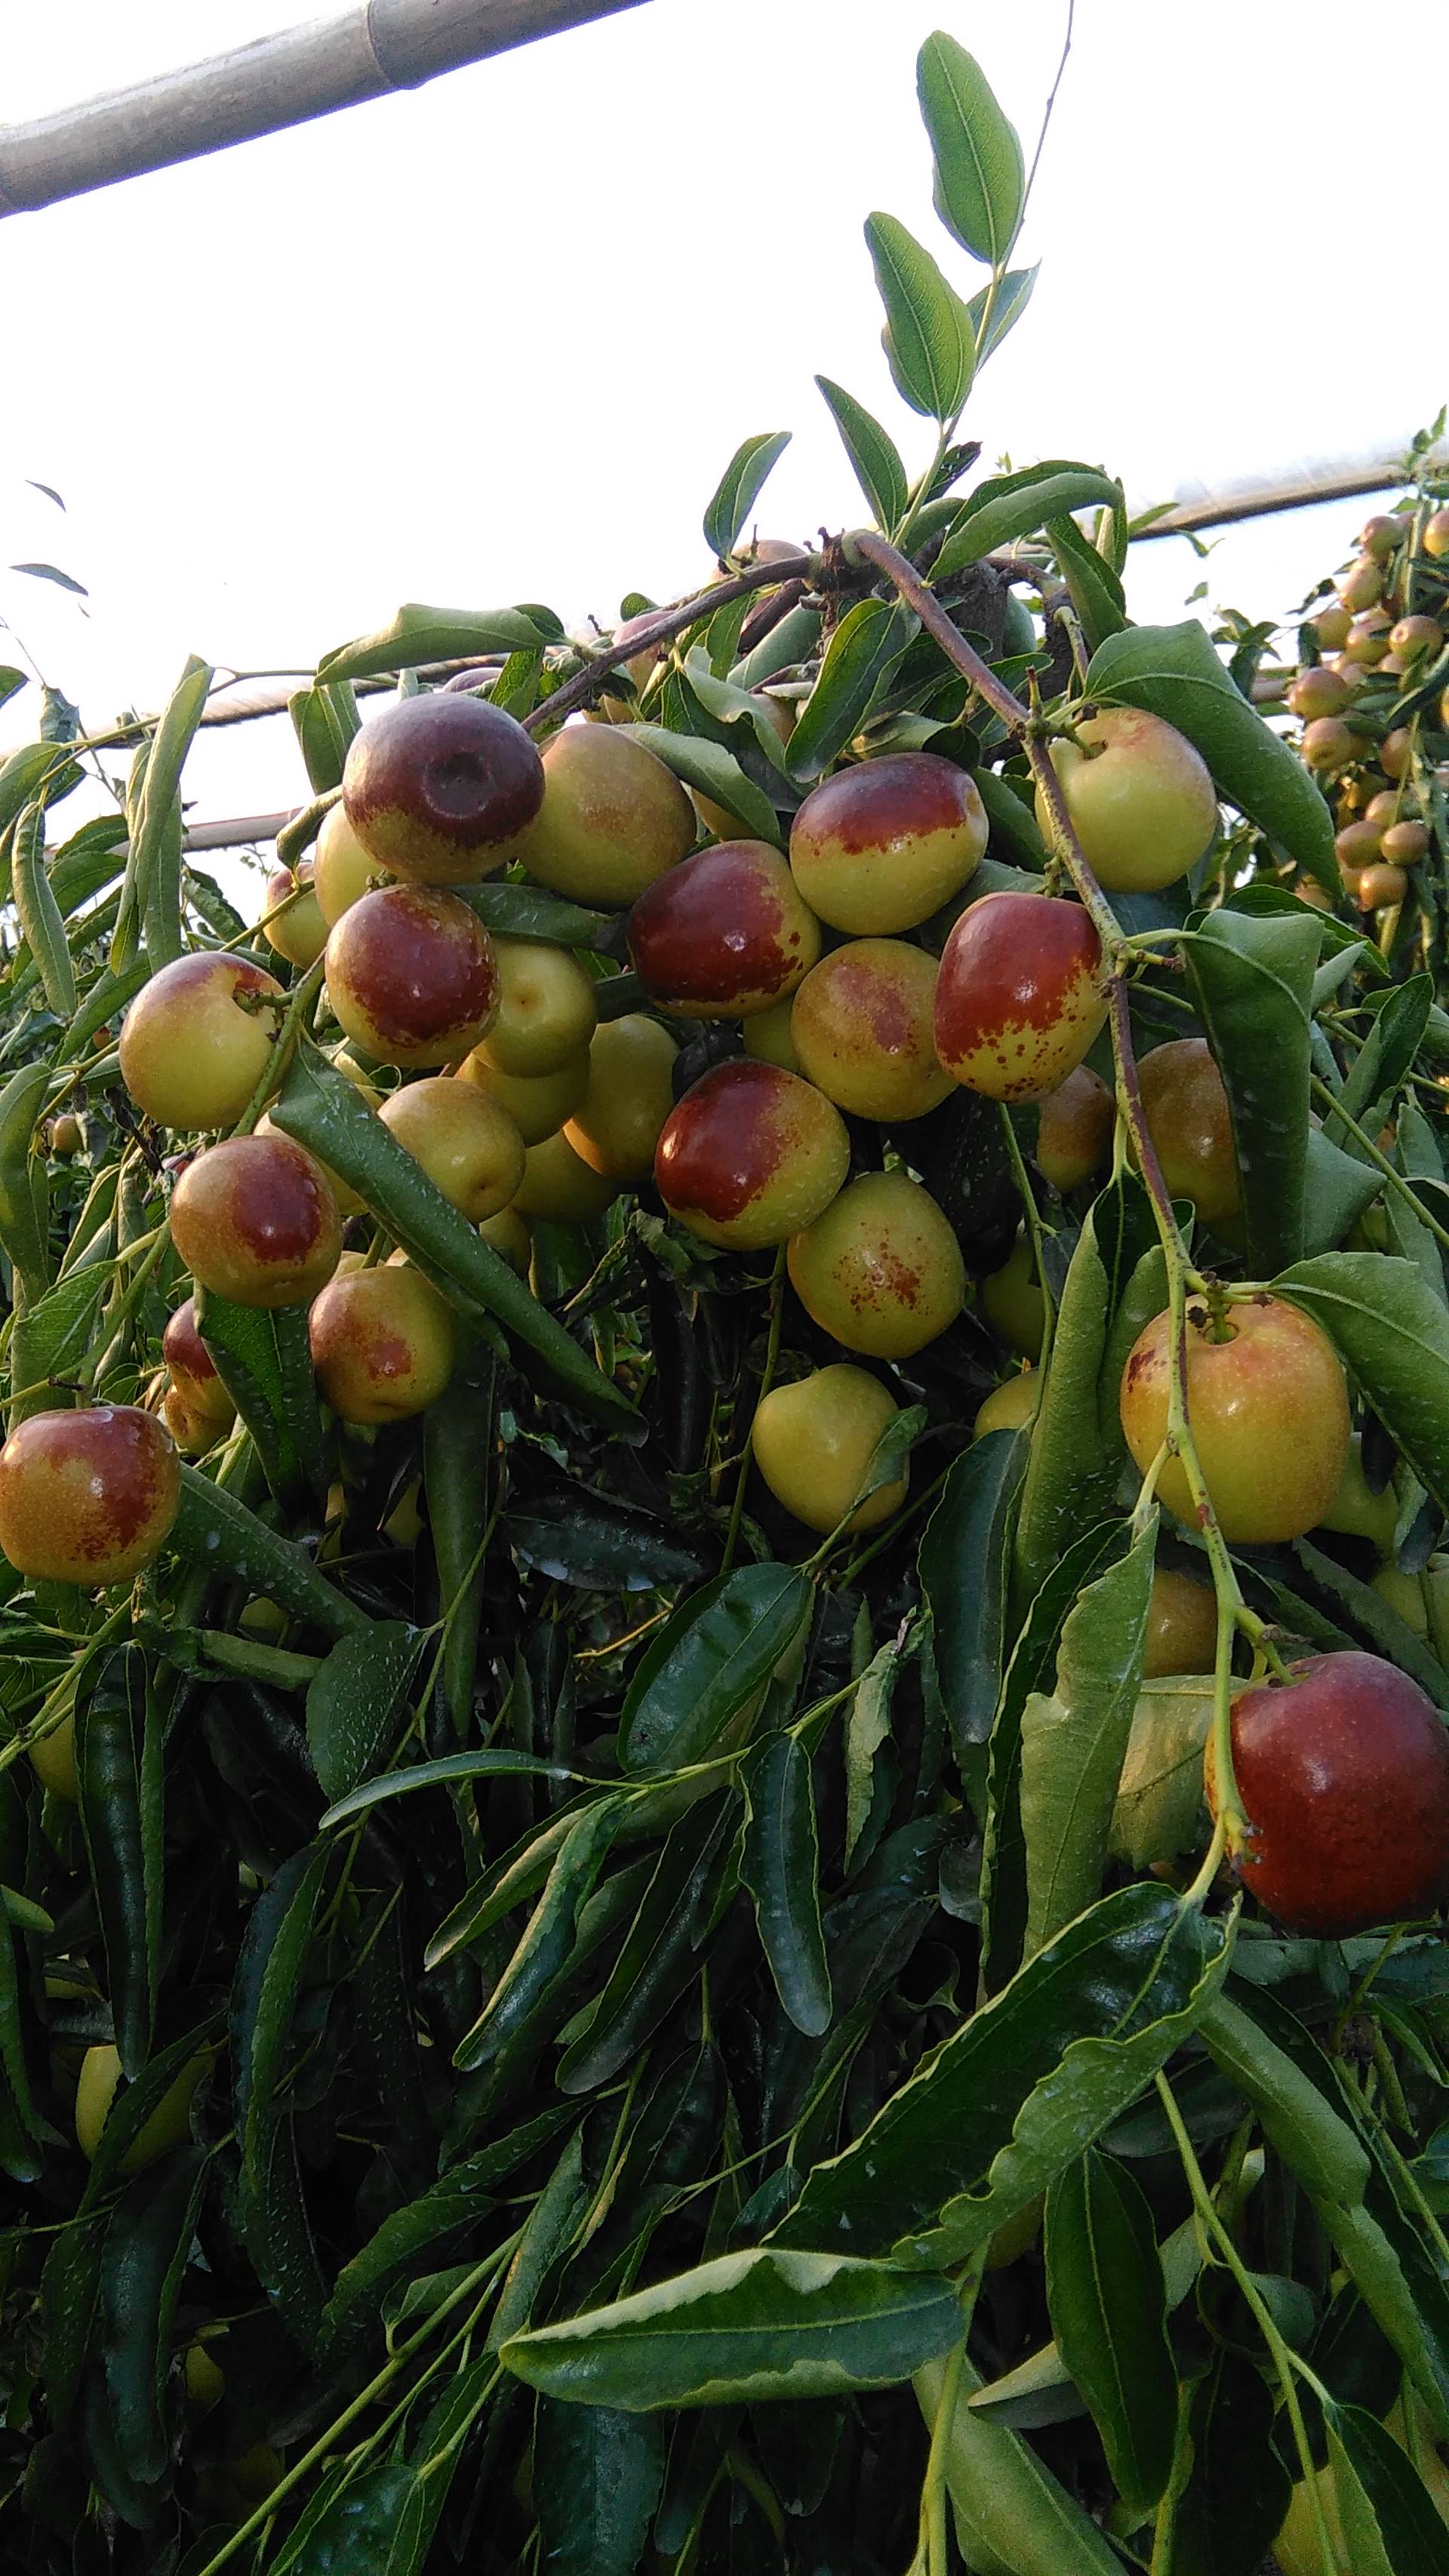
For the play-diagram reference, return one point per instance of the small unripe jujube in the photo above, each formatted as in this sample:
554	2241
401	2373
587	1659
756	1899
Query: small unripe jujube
1405	844
547	1011
1362	586
299	933
1190	1124
881	1269
169	2125
630	1093
198	1038
1010	1406
559	1188
1140	797
813	1444
1012	1301
1318	691
1327	743
1182	1625
342	872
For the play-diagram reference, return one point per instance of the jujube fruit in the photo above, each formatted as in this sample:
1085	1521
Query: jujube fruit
1362	586
538	1103
1317	692
1140	798
724	934
560	1188
864	1030
193	1370
1343	1774
507	1234
1404	1594
1012	1301
1074	1129
412	976
547	1010
299	933
1268	1409
466	1142
439	788
1019	995
1405	844
881	1269
52	1759
1010	1406
1379	536
1436	533
1356	1510
342	872
881	846
1327	743
750	1156
1331	624
383	1344
1188	1119
768	1038
254	1219
813	1443
66	1136
1396	752
87	1497
1182	1625
169	2125
630	1093
197	1040
350	1202
613	817
194	1433
1379	885
1415	636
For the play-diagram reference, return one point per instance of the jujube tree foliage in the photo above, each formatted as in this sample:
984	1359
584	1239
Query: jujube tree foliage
725	1791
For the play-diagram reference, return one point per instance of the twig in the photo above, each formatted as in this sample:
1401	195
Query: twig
669	623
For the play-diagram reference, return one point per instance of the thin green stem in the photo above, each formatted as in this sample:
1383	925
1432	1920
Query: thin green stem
1036	1234
767	1380
1378	1158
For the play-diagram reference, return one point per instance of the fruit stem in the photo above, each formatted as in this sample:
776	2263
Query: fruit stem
670	622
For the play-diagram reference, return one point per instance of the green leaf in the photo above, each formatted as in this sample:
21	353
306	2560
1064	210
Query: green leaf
740	486
420	635
1007	506
874	456
1296	2098
23	1229
780	1865
146	2249
1013	294
1395	1036
1238	2491
658	1961
323	1111
151	803
548	1936
219	1535
965	1572
263	1358
1251	981
597	2473
980	176
865	647
577	1537
715	772
713	1657
1012	2516
1071	1464
525	912
449	1771
324	721
1174	672
928	339
1031	2080
118	1767
1096	593
1073	1744
40	914
1159	1806
1390	2521
867	1729
1108	2310
1393	1335
368	2527
352	1703
1336	1191
745	2327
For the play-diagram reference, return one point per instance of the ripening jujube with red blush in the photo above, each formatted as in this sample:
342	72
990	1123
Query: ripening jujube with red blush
813	1443
547	1011
881	1269
1074	1129
1182	1625
1140	798
1318	691
198	1038
1019	995
87	1497
750	1156
412	977
1268	1408
383	1343
466	1142
613	818
723	935
881	846
630	1093
298	932
254	1219
1361	587
1188	1119
193	1370
350	1202
863	1029
438	788
1343	1774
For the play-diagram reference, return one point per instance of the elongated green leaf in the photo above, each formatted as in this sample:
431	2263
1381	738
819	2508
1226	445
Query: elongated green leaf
1096	592
1393	1335
1007	506
867	1729
371	2526
746	2326
1071	1466
658	1960
325	721
351	1703
992	316
1109	2314
40	914
1073	1743
928	339
146	2249
1029	2082
598	2473
1238	2489
1251	981
780	1866
219	1534
865	647
118	1755
1012	2516
965	1570
1295	2103
708	1662
980	174
1390	2521
151	803
525	912
740	487
548	1938
1395	1036
419	635
263	1359
22	1177
1174	672
874	456
1336	1191
450	1770
716	773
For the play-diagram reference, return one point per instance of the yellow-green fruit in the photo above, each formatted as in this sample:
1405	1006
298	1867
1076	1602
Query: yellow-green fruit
559	1187
383	1344
1269	1413
613	817
1010	1406
1404	1593
630	1094
66	1136
1357	1512
1190	1123
1074	1129
1141	799
341	870
52	1759
507	1234
468	1143
169	2124
204	2378
1012	1302
298	932
197	1039
768	1037
813	1443
538	1103
881	1269
862	1024
546	1010
1182	1625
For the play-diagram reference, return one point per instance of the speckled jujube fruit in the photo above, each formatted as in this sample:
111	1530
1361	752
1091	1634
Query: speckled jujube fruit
383	1344
87	1497
1269	1414
1019	995
613	817
538	1103
864	1031
438	788
193	1370
254	1219
881	846
750	1156
547	1011
630	1093
1343	1774
1075	1129
813	1443
1182	1625
723	935
559	1188
342	871
1188	1119
412	977
1140	798
881	1270
197	1039
1010	1406
466	1142
299	933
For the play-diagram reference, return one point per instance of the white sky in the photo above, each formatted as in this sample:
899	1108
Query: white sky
496	339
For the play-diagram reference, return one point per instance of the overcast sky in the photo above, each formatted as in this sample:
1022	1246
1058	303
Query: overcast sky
496	339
